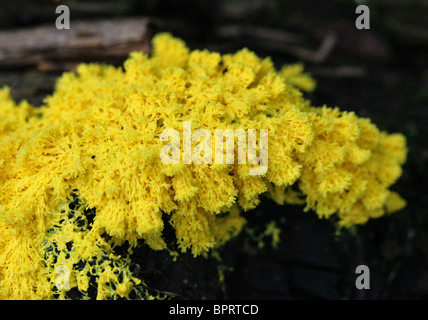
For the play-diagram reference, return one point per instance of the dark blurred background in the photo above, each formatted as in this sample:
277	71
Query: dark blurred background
381	73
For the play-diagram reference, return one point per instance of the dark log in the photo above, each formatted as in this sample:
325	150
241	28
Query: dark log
48	48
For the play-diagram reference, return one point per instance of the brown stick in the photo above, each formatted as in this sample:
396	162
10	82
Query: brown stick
48	48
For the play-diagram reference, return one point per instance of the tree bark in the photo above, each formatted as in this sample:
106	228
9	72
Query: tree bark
48	48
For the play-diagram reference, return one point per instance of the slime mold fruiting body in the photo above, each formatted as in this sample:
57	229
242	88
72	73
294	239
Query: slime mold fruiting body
82	174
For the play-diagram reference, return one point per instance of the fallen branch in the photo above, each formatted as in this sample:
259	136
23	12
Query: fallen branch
47	48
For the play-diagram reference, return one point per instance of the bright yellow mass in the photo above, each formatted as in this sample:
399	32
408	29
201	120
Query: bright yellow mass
82	173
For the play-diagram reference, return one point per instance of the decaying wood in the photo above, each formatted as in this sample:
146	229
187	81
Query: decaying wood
47	47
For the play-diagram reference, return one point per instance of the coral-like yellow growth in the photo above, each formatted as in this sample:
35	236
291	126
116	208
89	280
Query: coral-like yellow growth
82	174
